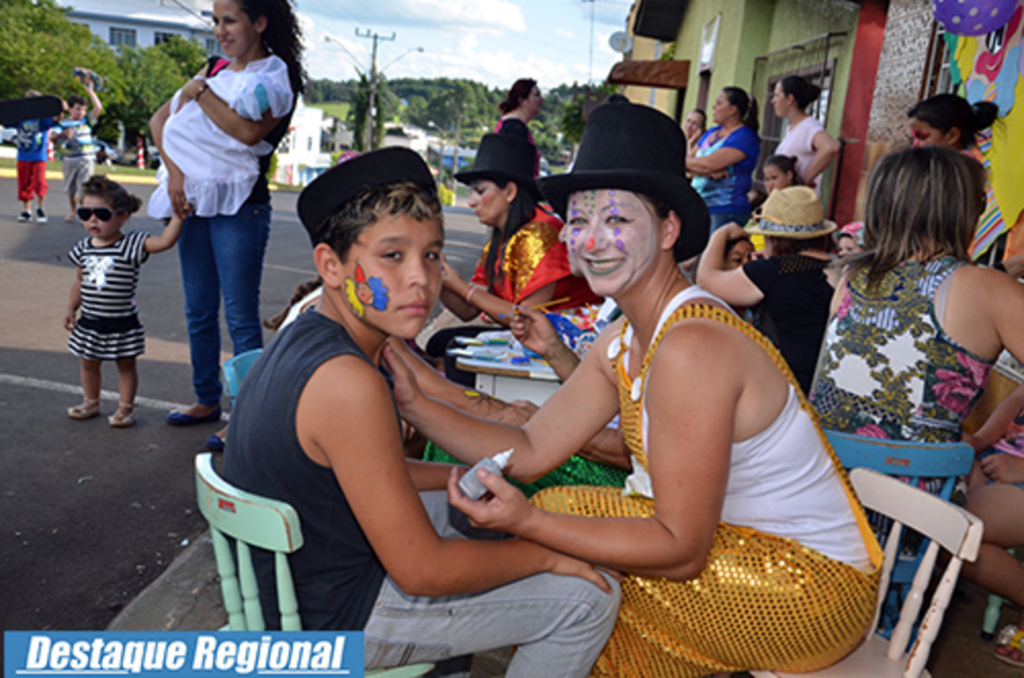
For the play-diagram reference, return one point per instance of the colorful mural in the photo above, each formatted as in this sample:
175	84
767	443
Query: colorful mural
990	67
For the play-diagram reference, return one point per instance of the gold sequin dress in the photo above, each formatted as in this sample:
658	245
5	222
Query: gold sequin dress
761	602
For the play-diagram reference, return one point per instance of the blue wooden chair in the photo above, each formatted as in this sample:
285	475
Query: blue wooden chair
235	370
912	461
257	522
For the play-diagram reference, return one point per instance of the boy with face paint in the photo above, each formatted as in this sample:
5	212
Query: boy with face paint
315	426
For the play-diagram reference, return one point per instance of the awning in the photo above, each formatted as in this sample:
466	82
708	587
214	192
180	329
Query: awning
670	74
659	19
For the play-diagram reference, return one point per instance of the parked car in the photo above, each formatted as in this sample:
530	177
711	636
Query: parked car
106	153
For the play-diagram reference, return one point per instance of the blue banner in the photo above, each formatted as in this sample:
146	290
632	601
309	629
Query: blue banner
183	653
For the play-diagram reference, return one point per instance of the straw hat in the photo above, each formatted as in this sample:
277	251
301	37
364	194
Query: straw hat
793	212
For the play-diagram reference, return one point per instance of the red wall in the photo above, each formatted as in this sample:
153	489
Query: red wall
857	110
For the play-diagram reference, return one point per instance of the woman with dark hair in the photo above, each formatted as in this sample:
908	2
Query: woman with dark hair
726	157
805	137
952	122
793	280
520	107
949	120
524	263
237	109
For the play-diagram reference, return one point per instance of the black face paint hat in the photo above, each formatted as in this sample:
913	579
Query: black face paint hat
635	148
504	158
332	189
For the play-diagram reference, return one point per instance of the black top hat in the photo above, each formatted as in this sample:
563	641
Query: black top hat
506	158
344	181
639	149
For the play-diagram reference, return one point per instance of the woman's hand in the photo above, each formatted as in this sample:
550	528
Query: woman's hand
534	331
507	509
1003	468
176	192
189	91
404	388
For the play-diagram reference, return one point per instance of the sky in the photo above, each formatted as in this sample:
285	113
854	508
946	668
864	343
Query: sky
491	41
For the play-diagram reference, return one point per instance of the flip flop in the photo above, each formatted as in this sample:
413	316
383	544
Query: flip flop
1010	636
183	419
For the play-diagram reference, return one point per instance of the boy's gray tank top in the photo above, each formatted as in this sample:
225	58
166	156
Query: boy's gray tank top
337	575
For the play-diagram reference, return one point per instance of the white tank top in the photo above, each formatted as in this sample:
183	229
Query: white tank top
781	481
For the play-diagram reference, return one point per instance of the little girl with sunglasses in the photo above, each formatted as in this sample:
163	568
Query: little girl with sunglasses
108	264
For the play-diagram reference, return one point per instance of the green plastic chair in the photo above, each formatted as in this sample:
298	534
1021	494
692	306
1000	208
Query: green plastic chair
255	521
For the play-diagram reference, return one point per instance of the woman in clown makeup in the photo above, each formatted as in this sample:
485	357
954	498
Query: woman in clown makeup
732	476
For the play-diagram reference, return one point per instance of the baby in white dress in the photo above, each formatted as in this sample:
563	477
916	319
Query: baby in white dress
220	171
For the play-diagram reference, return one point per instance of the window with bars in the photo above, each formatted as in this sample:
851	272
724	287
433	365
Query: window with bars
122	36
937	79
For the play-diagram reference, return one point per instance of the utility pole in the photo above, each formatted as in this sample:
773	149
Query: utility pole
371	103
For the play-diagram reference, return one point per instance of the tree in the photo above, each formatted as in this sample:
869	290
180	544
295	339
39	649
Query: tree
188	55
39	48
150	79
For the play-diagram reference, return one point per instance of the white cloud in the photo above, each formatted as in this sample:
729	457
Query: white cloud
568	35
492	16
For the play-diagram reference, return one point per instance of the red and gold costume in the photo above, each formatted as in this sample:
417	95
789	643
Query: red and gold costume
532	259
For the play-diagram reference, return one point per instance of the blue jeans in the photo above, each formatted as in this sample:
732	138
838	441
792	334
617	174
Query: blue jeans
560	623
222	255
719	219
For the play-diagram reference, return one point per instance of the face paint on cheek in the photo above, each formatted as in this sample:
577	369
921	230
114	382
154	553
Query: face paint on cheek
362	292
617	235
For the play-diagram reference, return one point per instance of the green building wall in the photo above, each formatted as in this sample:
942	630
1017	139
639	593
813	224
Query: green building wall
751	28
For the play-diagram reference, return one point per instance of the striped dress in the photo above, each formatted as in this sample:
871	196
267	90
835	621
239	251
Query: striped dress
109	326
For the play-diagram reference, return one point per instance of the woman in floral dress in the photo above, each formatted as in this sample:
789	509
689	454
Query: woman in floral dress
915	331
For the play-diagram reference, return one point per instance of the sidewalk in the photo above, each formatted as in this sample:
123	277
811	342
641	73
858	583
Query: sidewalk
187	598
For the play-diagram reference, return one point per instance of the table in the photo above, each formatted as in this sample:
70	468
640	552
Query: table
498	376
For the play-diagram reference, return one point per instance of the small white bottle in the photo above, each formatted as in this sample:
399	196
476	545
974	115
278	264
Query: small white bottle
470	484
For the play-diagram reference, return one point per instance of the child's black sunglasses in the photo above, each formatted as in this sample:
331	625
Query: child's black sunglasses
102	213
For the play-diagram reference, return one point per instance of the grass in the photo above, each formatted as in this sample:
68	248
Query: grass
338	109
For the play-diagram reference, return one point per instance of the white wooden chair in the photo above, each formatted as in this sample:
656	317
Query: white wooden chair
948	526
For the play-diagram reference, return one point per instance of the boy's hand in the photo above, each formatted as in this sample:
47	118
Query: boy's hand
507	509
451	279
69	321
574	567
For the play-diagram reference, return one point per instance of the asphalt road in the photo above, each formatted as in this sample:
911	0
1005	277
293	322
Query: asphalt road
90	515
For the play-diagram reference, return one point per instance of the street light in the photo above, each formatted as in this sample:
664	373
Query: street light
371	102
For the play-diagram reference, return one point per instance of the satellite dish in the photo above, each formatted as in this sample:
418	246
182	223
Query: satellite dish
621	42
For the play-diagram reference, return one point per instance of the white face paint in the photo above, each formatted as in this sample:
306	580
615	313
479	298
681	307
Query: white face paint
613	236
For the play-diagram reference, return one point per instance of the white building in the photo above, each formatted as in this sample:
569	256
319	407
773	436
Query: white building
143	23
299	157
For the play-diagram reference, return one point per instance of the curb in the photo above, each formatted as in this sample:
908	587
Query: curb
185	597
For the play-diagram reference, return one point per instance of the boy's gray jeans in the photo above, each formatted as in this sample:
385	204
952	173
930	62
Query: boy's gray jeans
560	624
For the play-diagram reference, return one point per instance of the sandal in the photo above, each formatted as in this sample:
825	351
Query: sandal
1010	637
118	420
89	408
